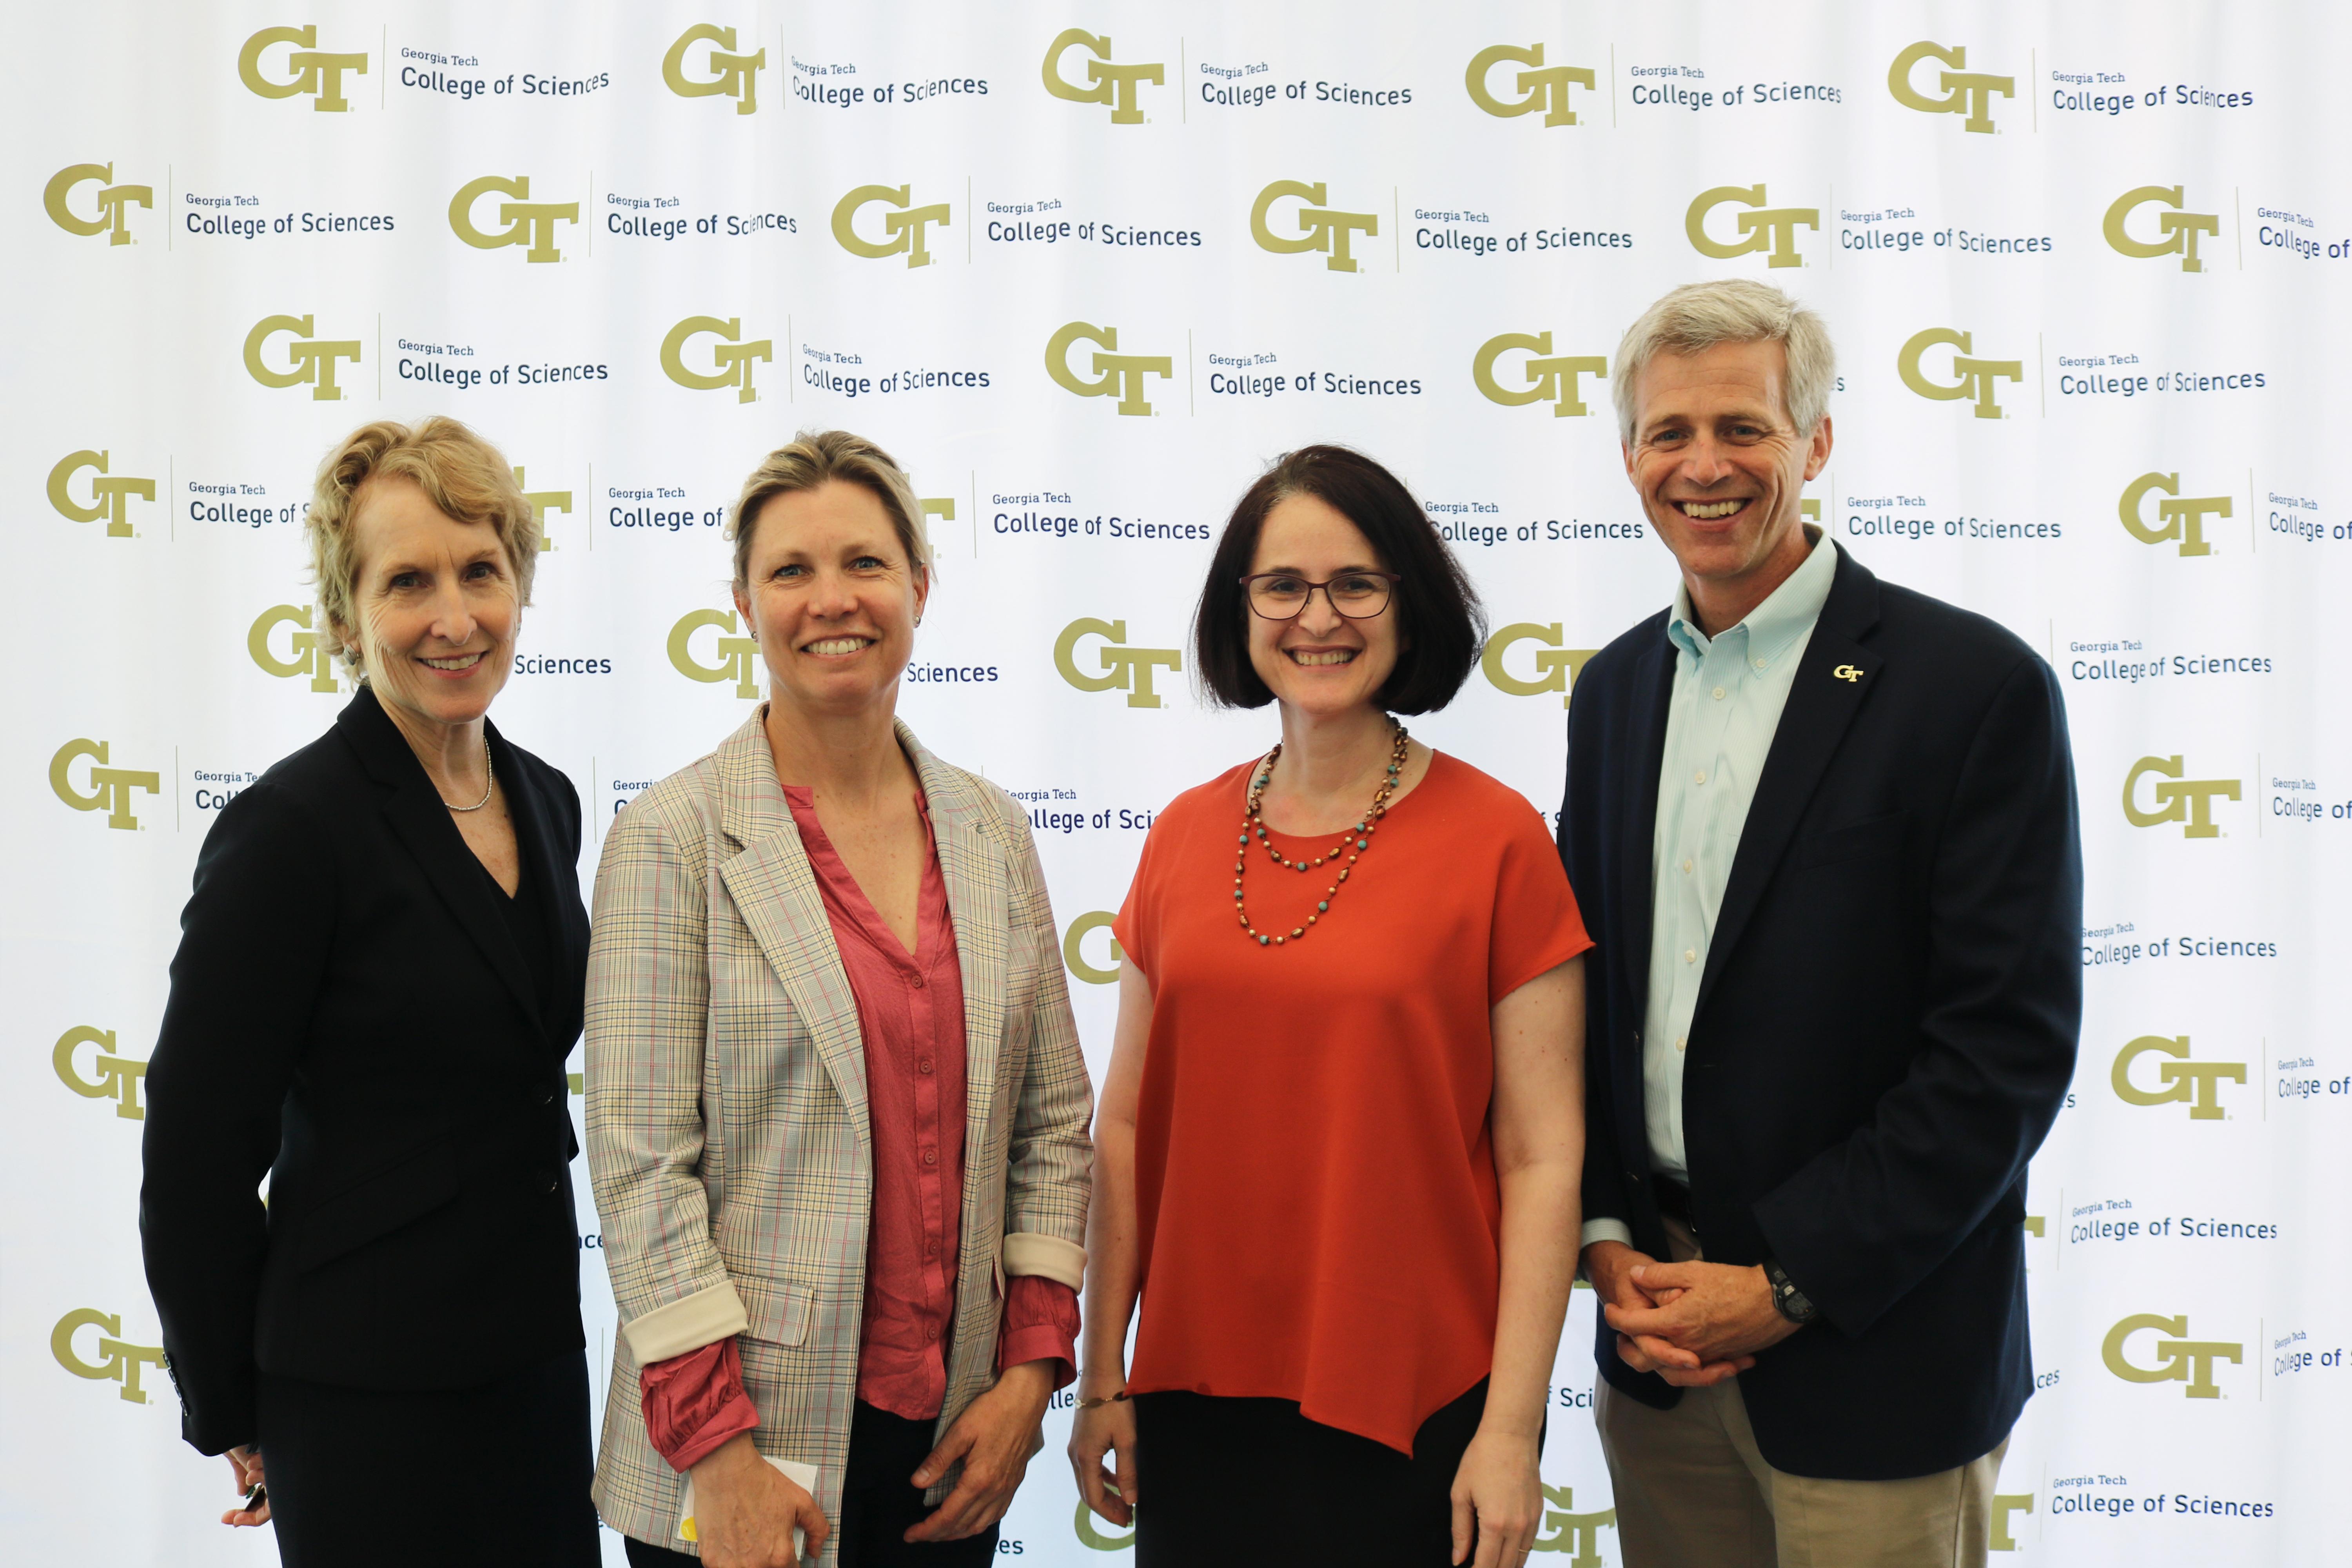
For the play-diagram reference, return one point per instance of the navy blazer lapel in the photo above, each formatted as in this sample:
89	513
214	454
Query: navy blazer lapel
1644	754
420	820
1832	681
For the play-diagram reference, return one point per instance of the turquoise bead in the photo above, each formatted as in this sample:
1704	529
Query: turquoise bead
1325	906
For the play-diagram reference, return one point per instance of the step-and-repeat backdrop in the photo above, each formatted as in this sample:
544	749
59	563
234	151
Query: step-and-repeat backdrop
1084	269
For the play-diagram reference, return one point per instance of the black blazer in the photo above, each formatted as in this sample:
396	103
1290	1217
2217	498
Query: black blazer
350	1016
1886	1025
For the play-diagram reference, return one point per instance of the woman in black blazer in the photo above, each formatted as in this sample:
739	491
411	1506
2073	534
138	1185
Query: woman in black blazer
380	975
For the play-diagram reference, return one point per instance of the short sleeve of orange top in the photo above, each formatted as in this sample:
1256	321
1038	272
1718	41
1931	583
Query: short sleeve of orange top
1314	1174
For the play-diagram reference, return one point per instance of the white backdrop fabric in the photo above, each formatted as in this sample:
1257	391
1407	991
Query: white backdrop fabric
1084	269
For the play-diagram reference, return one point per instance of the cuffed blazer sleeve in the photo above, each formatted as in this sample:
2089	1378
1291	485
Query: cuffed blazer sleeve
648	1139
1050	1156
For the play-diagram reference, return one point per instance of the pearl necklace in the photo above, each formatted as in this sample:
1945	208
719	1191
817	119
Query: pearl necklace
1352	843
487	767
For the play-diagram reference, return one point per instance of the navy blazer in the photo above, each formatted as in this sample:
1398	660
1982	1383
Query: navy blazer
352	1017
1886	1022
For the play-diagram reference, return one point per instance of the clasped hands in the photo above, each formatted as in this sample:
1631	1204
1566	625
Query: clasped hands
1694	1324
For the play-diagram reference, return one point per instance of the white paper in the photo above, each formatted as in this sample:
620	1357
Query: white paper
799	1475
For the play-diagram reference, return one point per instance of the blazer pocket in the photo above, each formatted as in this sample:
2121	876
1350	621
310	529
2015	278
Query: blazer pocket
377	1206
1874	835
778	1312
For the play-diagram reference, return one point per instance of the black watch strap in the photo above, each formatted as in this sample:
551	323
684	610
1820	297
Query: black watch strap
1787	1299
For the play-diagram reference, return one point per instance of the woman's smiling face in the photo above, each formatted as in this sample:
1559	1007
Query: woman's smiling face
832	596
437	605
1320	662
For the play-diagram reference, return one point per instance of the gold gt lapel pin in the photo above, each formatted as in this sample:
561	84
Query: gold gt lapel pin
1847	672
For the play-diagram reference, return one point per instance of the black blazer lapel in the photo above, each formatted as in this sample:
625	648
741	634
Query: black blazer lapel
536	847
421	822
1832	681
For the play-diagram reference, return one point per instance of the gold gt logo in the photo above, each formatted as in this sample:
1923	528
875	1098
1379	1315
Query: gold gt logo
739	657
1966	92
2178	1358
1075	960
1547	377
527	222
117	1361
109	788
1977	377
738	75
1557	667
1116	374
309	651
1539	89
317	75
310	362
1114	85
2197	1085
2188	802
116	1077
1126	669
111	200
904	226
2181	517
2179	229
730	358
109	494
1320	228
1767	228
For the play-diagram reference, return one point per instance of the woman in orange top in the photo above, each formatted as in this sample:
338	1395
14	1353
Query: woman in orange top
1340	1142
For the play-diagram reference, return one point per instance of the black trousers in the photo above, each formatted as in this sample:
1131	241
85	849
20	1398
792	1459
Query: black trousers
878	1504
357	1476
1245	1482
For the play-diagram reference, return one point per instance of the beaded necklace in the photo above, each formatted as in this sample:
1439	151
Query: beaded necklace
1352	843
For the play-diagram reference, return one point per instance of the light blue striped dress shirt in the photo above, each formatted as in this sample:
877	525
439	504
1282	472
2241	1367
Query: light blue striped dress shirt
1728	691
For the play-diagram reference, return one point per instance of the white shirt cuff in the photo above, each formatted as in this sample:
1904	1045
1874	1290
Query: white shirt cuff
1606	1230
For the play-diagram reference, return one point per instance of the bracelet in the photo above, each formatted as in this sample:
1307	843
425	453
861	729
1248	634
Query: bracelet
1106	1399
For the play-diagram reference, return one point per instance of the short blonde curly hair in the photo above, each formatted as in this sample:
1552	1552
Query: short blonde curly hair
462	474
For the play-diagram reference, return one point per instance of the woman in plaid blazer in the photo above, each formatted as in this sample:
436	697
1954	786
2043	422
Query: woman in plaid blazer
823	980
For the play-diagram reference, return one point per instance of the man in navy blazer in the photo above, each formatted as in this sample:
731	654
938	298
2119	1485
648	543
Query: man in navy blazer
1823	830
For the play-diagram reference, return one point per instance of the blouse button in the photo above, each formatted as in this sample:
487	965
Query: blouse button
924	1065
930	1156
919	983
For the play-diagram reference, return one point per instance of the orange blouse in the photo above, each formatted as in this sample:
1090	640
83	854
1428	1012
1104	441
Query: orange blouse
1314	1172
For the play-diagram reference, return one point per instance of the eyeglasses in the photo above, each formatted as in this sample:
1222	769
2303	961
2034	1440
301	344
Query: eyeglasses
1282	595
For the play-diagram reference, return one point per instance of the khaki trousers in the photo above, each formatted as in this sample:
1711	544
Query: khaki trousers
1693	1491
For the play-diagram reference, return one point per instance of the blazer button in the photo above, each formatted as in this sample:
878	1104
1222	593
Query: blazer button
553	1183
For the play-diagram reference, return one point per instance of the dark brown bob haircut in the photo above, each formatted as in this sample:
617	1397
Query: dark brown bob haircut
1440	625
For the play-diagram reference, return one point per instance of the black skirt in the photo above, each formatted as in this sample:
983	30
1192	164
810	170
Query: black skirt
1241	1482
493	1475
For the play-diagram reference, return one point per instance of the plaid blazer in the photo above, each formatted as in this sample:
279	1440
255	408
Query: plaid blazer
727	1113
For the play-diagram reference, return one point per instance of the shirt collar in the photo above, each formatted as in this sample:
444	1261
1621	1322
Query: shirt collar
1786	614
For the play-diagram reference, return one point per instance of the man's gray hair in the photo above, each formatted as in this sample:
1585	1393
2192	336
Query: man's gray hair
1697	316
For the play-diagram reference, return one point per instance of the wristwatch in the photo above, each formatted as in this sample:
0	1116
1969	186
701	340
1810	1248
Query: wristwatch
1787	1299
